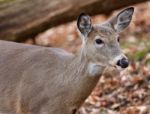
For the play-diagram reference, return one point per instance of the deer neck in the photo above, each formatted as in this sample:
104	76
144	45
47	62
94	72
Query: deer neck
84	76
83	63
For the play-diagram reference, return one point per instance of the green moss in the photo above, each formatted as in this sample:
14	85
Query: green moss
139	55
6	1
143	47
148	62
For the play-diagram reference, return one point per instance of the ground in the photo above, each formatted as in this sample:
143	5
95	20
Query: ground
124	93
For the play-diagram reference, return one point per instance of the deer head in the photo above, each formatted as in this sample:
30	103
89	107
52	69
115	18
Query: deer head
100	42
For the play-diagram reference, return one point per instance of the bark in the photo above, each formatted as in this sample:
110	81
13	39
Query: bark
21	19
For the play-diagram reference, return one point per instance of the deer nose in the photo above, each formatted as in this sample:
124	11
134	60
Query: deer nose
123	63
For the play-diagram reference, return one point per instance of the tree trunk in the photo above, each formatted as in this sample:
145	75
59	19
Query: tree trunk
20	19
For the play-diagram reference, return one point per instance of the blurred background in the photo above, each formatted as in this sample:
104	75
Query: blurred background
53	23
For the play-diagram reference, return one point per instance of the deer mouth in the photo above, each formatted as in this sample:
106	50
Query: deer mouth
120	62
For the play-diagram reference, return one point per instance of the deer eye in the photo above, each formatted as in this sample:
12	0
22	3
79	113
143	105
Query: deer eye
118	39
99	41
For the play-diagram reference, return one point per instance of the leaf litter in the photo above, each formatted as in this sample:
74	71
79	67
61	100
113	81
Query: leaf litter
127	92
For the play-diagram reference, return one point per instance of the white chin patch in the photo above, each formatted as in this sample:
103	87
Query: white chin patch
95	69
119	68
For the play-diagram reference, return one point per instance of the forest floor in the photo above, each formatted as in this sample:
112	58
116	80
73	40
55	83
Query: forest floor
124	93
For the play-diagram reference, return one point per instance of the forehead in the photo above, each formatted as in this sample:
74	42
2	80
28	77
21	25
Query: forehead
102	30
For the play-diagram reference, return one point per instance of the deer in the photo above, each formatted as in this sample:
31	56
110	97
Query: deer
48	80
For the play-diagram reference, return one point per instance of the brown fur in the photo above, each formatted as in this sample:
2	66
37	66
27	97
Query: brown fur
30	82
42	80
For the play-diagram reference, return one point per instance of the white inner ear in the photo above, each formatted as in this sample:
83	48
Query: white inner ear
123	21
85	25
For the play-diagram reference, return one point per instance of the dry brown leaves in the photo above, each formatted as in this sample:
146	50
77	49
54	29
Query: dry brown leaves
124	93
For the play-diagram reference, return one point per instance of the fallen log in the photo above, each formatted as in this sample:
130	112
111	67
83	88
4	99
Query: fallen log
21	19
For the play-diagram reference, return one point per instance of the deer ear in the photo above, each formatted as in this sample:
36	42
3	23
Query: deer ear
122	20
84	24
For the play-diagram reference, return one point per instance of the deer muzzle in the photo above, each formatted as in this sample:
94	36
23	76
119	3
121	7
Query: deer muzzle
123	63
